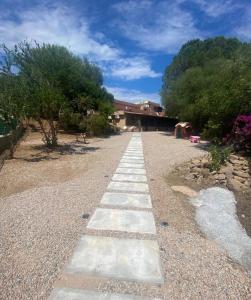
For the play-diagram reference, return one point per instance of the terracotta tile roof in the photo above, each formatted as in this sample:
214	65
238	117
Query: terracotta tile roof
129	107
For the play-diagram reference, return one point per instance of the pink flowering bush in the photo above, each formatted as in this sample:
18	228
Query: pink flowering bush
241	133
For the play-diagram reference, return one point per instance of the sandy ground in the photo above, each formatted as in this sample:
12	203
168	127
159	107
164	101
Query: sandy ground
43	199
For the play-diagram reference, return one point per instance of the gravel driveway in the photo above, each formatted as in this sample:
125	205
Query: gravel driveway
40	227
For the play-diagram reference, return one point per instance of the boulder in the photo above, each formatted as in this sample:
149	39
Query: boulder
205	172
232	156
236	162
240	179
228	171
234	184
245	168
197	170
185	190
189	177
237	167
247	184
196	161
205	163
221	176
241	174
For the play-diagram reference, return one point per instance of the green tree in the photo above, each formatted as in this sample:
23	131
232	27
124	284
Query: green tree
209	84
55	83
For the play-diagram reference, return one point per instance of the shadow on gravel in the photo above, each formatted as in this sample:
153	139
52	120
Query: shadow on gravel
45	153
167	133
202	146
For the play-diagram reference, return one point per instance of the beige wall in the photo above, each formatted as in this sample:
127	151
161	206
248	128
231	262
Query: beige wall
121	123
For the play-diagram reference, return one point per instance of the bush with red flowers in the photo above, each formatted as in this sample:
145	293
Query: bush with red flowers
241	134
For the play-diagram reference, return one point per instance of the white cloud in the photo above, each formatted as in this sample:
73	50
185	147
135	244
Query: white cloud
132	95
243	30
59	25
161	26
63	26
132	68
216	8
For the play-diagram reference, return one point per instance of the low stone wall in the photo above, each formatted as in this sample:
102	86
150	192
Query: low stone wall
235	174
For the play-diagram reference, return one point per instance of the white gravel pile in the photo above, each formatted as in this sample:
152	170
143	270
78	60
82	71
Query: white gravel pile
216	216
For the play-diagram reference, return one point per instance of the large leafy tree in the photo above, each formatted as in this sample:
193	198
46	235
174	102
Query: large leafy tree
209	83
54	81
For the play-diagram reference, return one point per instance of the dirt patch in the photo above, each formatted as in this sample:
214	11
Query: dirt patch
34	165
243	198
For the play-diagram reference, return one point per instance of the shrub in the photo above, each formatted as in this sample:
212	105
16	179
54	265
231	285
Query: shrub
218	156
94	125
241	134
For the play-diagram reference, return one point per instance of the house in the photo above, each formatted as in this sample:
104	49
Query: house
141	116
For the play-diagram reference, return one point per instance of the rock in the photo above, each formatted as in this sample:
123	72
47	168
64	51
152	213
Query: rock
189	177
213	173
205	163
240	179
241	158
235	185
197	170
236	162
247	184
196	161
237	167
232	156
195	175
221	177
185	190
228	171
205	172
241	174
199	180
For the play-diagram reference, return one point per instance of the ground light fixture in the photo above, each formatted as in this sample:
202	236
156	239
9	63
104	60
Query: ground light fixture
164	224
85	216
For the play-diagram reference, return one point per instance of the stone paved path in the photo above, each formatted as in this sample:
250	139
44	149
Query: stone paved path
119	258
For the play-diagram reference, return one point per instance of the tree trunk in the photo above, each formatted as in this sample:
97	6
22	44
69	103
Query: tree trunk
53	129
46	138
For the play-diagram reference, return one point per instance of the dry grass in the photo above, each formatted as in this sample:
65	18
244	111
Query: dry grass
34	165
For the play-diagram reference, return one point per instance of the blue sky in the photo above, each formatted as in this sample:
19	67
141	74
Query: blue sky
132	41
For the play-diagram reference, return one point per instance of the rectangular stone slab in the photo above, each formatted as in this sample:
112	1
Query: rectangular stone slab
134	153
132	157
128	186
122	220
132	161
78	294
127	200
129	177
126	259
131	165
130	171
134	149
138	157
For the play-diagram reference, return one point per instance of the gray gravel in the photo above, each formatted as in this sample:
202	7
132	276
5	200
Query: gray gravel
40	227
